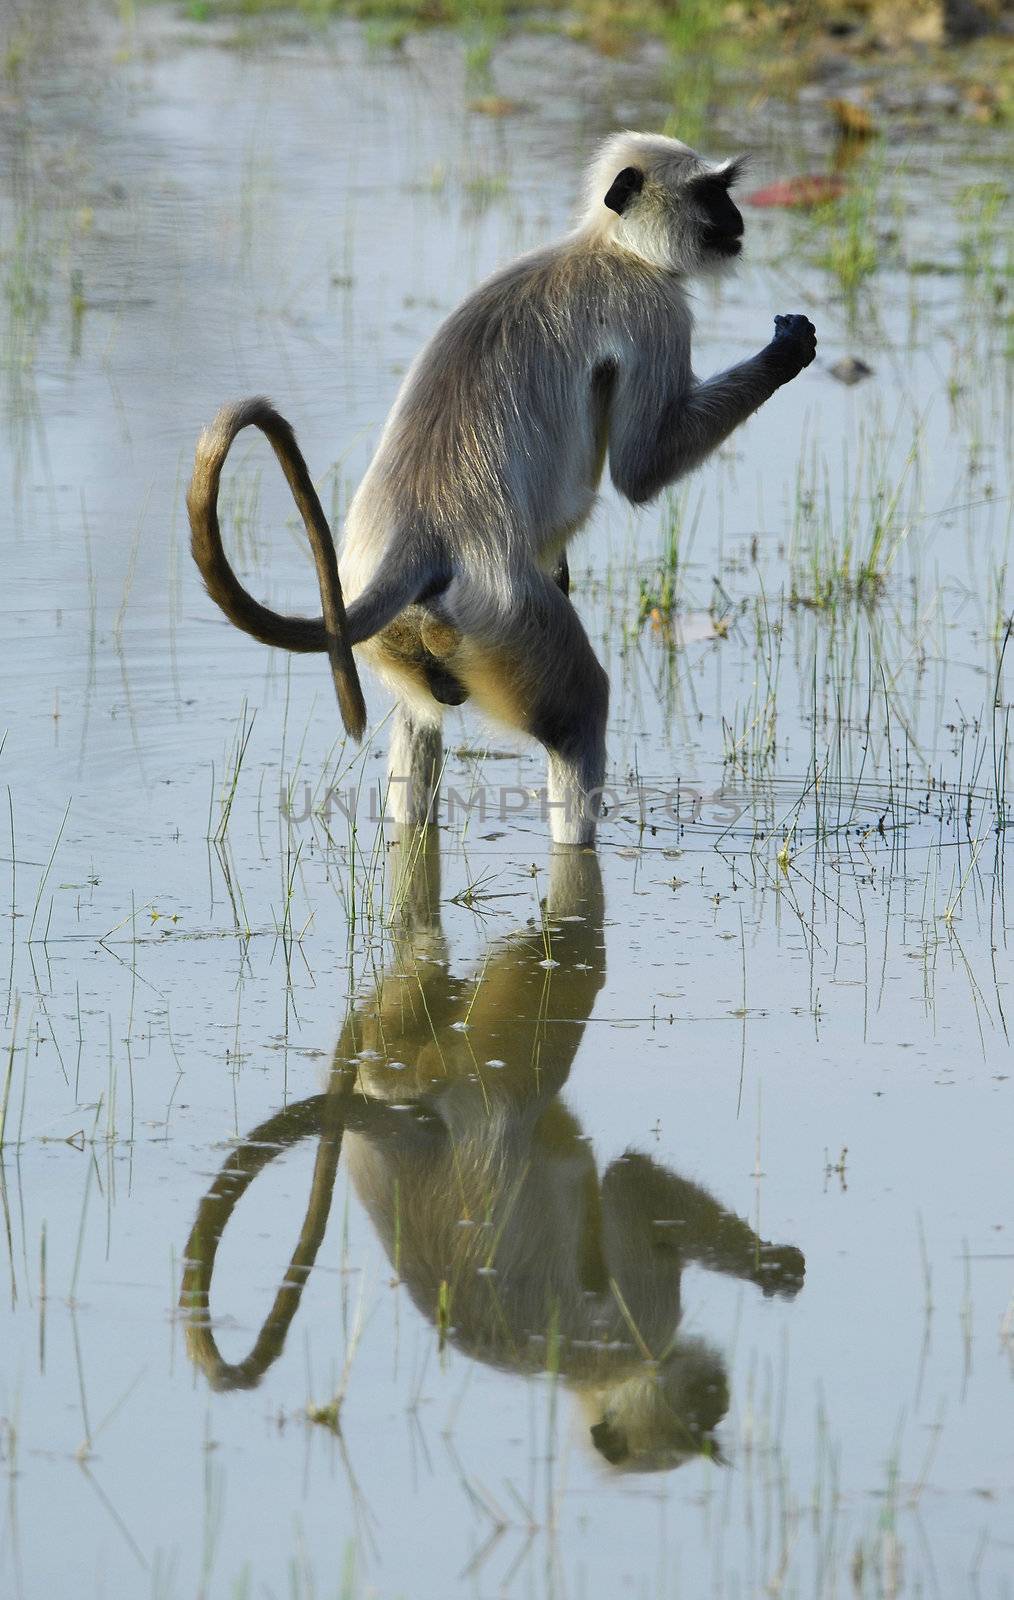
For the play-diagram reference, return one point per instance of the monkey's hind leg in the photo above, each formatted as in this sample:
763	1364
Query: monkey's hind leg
536	670
570	705
414	764
576	766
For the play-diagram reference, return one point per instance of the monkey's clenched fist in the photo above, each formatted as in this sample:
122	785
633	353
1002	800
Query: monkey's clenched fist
794	344
780	1270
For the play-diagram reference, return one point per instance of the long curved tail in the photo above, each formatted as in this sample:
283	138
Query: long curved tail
329	632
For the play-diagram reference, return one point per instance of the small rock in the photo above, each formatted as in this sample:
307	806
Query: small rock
850	370
495	105
941	97
810	189
830	65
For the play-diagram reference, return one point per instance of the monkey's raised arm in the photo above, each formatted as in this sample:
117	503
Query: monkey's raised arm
651	445
682	1218
723	1242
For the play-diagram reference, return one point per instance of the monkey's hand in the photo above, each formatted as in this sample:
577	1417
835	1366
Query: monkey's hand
793	346
781	1268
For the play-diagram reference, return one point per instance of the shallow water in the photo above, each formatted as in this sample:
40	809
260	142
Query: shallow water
670	1249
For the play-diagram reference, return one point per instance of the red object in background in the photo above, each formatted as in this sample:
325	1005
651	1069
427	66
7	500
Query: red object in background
812	190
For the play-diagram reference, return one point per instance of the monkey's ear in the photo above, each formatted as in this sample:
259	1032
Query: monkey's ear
625	184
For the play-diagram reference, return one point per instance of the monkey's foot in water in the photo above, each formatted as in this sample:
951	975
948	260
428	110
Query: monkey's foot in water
794	344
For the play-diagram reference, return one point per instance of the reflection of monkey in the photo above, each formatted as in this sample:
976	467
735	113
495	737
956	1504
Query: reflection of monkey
490	462
445	1100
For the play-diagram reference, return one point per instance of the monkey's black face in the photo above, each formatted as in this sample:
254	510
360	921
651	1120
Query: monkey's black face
722	234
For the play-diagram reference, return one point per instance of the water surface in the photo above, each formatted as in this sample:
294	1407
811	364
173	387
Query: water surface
474	1221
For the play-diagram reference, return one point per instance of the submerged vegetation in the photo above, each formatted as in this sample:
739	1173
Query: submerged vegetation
844	551
662	595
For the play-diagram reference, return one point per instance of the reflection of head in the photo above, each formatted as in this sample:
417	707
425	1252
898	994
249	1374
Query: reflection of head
662	1415
510	1228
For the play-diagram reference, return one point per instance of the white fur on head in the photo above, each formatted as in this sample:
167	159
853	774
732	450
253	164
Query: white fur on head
655	224
642	150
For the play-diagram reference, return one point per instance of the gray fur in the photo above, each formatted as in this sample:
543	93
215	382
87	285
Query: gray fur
491	458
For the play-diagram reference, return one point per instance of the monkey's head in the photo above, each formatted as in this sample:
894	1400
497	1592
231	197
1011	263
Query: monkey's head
663	202
656	1418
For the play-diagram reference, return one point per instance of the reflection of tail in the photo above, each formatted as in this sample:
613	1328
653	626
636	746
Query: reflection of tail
327	1115
328	633
243	1165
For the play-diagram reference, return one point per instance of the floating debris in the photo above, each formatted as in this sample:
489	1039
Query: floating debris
811	189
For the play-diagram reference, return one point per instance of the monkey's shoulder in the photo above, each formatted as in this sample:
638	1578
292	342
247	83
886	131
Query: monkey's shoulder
562	299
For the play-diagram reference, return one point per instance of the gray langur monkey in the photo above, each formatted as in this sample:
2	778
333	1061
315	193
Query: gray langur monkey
454	557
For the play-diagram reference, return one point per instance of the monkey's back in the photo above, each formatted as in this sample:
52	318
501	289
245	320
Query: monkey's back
494	446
